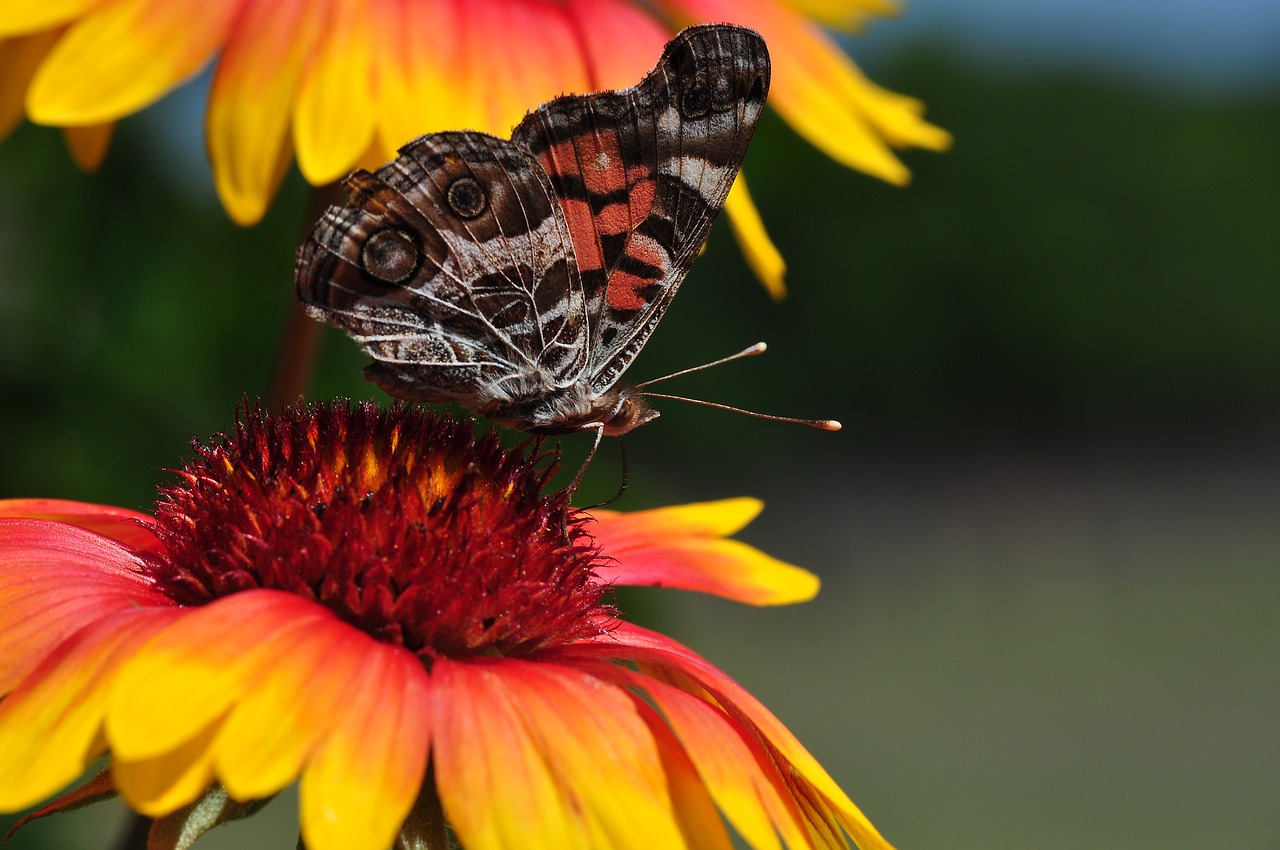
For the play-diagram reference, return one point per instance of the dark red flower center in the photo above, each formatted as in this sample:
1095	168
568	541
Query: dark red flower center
401	521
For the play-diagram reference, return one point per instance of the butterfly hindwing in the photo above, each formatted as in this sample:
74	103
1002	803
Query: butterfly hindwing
641	175
451	266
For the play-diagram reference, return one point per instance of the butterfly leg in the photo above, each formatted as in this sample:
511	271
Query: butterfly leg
598	427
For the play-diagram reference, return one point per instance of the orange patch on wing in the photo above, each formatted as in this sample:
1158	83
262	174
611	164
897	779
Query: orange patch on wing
624	291
582	231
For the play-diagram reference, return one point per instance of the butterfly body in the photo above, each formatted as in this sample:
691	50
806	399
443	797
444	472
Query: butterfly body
521	277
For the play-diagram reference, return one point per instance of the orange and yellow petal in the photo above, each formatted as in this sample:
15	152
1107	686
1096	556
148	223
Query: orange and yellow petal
367	772
125	55
624	41
541	756
685	668
51	726
333	118
251	101
133	529
54	580
418	89
685	547
738	776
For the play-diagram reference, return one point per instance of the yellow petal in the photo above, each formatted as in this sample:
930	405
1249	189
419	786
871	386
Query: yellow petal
295	703
544	757
716	519
421	89
251	101
762	255
124	56
851	15
358	790
19	58
20	17
162	784
50	728
189	674
333	121
88	145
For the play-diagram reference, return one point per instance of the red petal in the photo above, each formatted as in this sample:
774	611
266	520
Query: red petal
133	529
54	580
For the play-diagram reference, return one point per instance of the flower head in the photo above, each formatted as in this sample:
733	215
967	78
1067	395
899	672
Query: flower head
347	82
391	611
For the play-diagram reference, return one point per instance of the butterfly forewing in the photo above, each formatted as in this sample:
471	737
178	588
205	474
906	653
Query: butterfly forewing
521	277
451	266
642	174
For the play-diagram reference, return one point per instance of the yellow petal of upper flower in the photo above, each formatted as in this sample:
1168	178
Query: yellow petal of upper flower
50	728
124	56
357	791
333	119
19	17
820	92
545	757
849	15
251	101
762	255
418	91
539	60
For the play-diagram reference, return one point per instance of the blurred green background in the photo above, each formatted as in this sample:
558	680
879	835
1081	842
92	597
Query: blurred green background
1048	533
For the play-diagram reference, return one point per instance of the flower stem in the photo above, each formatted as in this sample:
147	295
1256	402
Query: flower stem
300	338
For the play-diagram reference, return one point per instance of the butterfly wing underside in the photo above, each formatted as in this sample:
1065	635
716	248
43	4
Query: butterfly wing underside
641	175
452	267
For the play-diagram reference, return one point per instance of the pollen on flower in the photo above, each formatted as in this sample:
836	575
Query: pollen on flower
402	522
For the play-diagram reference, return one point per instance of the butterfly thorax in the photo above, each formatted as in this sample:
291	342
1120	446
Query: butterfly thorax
575	408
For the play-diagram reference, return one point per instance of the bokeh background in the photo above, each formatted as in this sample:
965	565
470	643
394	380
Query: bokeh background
1049	532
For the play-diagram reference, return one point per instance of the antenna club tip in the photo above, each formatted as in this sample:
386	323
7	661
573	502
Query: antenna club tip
830	425
759	348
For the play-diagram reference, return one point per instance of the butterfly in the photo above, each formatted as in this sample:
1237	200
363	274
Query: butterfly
521	277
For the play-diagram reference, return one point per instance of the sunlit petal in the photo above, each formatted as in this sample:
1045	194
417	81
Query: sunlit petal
333	120
191	672
682	547
762	255
251	101
538	756
295	703
157	785
650	648
20	17
124	56
419	90
359	788
50	727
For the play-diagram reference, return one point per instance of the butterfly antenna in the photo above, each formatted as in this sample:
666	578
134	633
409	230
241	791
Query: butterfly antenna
751	351
820	424
758	348
622	453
